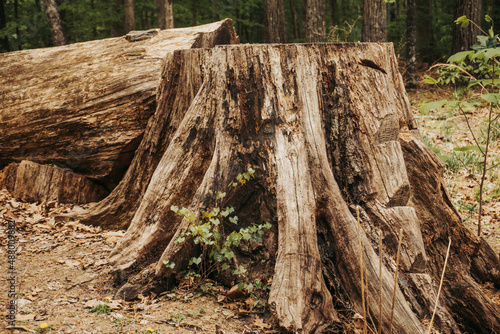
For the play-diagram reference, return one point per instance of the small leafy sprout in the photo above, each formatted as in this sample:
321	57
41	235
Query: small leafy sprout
178	318
207	231
169	264
101	309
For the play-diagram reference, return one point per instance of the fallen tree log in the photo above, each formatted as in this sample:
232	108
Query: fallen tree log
32	182
85	106
328	130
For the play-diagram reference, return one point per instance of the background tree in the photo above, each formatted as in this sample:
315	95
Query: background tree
314	21
411	43
464	38
54	19
165	14
374	21
274	21
129	22
4	42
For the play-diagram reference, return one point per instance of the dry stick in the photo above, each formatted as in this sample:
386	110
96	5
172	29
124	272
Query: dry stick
440	285
380	276
361	266
395	279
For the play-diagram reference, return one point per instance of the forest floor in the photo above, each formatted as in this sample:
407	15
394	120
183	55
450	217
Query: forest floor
63	273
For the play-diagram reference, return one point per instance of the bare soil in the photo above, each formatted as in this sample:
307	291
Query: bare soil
62	273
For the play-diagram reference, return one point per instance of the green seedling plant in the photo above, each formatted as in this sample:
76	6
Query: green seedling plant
207	230
486	52
101	309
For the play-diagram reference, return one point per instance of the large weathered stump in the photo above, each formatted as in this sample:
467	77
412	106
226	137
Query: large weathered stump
85	106
328	129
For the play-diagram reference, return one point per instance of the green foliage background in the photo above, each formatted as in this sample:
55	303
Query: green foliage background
26	24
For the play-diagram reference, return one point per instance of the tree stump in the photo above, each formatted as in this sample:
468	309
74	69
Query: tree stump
85	106
328	130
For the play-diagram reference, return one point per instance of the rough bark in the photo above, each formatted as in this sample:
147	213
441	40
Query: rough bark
325	137
54	19
129	19
314	21
464	38
411	45
85	106
274	21
32	182
165	14
374	27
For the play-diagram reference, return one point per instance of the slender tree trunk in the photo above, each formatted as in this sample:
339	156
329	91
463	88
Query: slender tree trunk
314	21
374	21
165	14
411	43
333	13
194	13
4	41
117	26
274	21
424	30
464	38
129	20
55	22
295	17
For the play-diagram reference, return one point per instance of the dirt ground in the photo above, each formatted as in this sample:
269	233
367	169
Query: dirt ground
445	129
63	274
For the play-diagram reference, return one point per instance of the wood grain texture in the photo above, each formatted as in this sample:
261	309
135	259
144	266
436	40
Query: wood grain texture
85	106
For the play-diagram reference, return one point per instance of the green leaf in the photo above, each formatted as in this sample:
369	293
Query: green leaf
246	236
227	211
267	225
215	221
179	239
174	208
234	219
169	264
431	106
493	98
459	57
463	21
430	80
491	53
251	172
467	148
225	266
195	260
229	254
487	18
241	285
240	270
216	235
220	195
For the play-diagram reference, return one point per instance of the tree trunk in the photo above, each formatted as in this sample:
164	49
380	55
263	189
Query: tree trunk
464	38
425	40
374	27
411	75
274	21
85	106
195	9
314	21
54	22
129	20
295	18
4	41
324	138
165	14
